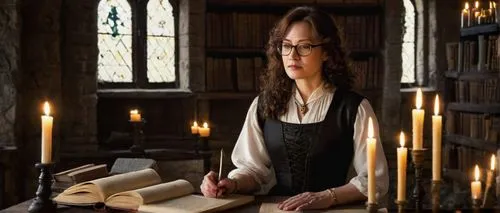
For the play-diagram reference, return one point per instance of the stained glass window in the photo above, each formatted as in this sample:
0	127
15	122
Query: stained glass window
408	49
161	42
114	37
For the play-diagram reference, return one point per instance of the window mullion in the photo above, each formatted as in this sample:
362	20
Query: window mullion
140	50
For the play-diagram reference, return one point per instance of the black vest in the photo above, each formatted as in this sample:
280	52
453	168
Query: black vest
313	157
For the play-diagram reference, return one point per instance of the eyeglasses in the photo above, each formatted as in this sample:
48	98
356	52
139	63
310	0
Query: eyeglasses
302	49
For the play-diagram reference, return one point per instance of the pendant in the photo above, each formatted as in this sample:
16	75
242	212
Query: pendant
303	109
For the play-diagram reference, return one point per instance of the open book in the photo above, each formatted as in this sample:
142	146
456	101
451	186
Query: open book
143	191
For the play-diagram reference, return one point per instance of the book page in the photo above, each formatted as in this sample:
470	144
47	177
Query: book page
127	181
196	203
159	192
98	190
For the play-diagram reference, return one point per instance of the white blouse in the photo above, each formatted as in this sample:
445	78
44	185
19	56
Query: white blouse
251	158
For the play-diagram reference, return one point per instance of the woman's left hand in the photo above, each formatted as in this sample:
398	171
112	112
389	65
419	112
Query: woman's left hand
307	200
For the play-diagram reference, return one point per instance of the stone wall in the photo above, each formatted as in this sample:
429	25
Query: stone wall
9	69
79	75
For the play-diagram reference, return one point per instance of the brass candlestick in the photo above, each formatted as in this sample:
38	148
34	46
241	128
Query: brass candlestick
42	202
436	191
401	205
418	190
372	207
138	136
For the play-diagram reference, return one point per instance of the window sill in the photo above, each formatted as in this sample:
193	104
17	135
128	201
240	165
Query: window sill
144	93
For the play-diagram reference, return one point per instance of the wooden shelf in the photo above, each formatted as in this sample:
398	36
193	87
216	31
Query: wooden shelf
226	95
281	8
252	51
471	142
484	75
475	108
478	30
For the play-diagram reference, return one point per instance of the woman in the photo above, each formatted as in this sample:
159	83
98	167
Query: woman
307	127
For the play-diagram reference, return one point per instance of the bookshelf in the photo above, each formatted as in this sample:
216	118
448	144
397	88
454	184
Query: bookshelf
472	97
237	32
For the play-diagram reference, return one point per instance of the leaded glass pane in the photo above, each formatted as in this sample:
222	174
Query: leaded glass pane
114	28
408	51
161	43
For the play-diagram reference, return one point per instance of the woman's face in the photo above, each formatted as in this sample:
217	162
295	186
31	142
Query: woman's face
305	60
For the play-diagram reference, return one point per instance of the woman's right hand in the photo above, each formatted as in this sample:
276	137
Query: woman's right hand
210	187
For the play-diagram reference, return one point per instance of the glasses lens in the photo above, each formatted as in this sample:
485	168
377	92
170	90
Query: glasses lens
286	49
304	49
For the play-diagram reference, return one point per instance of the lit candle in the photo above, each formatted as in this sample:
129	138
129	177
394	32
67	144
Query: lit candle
437	123
371	150
475	186
489	175
135	116
418	122
204	131
476	12
402	158
465	20
47	122
194	128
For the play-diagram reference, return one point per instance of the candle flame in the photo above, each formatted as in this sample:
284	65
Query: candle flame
46	108
466	5
436	105
402	139
476	173
476	5
419	98
492	163
205	125
491	5
134	112
370	128
195	124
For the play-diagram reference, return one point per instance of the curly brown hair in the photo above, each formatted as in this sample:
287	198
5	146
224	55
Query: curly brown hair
276	86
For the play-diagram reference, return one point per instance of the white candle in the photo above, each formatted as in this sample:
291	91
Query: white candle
47	122
371	150
135	116
437	123
475	186
418	122
204	131
489	176
402	158
194	128
465	19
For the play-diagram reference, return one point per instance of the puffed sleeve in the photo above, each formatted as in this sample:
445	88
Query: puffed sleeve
360	162
250	154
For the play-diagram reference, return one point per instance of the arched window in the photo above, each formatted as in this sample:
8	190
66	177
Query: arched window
136	42
408	47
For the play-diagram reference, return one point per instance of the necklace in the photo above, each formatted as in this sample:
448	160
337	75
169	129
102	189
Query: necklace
302	107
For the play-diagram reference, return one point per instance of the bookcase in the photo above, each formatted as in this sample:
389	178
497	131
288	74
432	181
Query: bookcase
237	32
472	97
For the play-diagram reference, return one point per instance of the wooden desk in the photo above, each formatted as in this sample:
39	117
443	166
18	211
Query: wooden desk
249	208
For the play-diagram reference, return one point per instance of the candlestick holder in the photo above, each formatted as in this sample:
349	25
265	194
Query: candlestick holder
489	191
196	139
372	207
42	202
138	136
418	156
401	205
204	143
436	192
206	158
476	203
